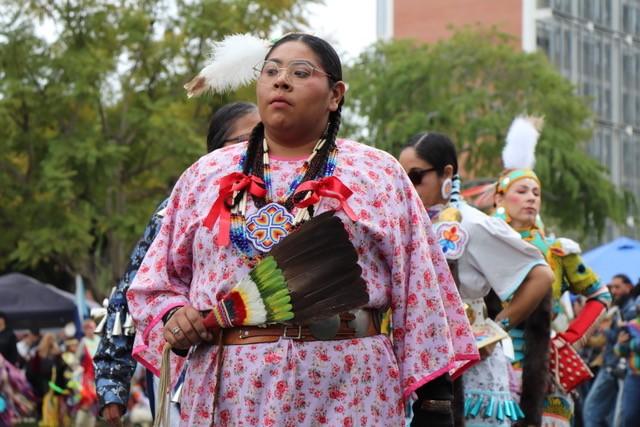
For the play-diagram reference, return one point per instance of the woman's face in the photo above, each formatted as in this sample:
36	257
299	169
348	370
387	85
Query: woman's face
429	186
522	202
241	129
298	108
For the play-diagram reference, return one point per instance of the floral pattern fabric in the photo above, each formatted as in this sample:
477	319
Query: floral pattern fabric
288	383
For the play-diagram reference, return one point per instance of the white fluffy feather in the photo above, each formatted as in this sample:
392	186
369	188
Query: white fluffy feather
231	65
569	246
256	311
520	150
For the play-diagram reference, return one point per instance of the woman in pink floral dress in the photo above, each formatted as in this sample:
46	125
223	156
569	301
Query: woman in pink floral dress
289	382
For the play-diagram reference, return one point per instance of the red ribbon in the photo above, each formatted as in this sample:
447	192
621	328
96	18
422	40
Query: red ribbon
326	187
221	208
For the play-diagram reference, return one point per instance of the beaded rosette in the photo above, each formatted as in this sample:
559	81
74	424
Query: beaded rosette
452	238
260	231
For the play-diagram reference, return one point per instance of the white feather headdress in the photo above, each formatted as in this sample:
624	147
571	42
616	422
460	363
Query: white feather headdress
520	149
231	65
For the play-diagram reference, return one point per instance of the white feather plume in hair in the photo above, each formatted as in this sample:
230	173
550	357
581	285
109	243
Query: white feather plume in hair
520	150
231	65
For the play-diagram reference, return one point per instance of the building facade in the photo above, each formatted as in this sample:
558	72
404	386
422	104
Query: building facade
593	43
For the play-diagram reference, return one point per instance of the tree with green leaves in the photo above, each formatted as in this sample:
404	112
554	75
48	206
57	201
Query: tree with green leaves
95	125
470	87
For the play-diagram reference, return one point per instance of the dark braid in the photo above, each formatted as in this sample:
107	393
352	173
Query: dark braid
253	146
317	166
335	119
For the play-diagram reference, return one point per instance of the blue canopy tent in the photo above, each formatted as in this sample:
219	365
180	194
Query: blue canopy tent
620	256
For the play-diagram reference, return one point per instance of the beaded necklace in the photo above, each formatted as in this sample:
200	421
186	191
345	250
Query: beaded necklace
257	234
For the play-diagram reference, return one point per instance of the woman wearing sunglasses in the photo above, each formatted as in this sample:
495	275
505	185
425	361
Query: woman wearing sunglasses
485	255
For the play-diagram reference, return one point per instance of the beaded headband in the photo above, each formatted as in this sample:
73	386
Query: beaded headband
510	177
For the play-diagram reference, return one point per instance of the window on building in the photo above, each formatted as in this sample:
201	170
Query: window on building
627	71
637	56
631	162
627	18
542	39
606	151
562	5
605	12
586	9
606	62
556	49
600	147
587	57
543	4
597	59
628	107
567	50
605	103
595	10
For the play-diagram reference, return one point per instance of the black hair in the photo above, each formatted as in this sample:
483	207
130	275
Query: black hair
330	62
625	279
436	149
223	120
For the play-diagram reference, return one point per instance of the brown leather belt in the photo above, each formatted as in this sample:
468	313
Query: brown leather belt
242	335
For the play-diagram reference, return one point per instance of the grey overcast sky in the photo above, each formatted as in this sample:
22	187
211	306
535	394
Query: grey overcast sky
350	25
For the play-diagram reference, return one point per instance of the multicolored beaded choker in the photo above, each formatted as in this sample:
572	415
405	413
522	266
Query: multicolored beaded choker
255	235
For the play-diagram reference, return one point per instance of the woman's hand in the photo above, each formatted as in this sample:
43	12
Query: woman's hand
185	329
112	414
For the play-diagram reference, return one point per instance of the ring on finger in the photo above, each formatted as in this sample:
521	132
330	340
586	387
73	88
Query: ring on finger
176	330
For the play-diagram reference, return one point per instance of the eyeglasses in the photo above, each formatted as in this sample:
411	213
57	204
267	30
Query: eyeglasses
237	139
296	72
416	175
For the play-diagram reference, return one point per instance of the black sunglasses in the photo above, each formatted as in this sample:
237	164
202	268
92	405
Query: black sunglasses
416	175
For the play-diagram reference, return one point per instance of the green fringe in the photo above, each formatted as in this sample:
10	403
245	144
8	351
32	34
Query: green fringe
273	289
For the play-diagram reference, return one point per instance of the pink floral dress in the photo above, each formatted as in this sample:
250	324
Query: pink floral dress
361	382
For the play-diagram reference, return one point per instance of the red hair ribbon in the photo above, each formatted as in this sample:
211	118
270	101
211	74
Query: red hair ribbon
326	187
221	208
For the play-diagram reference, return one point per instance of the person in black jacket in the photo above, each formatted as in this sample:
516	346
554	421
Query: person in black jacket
8	341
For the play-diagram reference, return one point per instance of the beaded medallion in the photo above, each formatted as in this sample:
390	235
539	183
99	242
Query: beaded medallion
257	233
268	226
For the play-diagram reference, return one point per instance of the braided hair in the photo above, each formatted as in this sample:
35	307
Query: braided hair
330	62
223	120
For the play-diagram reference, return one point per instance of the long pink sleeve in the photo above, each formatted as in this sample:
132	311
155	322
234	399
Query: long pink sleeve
163	280
431	332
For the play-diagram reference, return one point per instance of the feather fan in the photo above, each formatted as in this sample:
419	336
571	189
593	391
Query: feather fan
231	65
311	274
520	149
